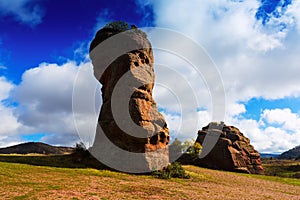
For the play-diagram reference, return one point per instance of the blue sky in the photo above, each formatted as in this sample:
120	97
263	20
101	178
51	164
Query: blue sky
254	44
55	33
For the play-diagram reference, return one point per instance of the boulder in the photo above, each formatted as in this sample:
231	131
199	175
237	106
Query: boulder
232	152
144	131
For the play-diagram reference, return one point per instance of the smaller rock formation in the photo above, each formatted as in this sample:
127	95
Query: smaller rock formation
232	152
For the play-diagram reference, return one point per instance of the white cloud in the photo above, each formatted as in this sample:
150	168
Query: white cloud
186	127
235	109
248	54
9	124
42	84
103	18
44	100
294	14
255	61
230	23
2	67
5	88
276	131
24	11
282	117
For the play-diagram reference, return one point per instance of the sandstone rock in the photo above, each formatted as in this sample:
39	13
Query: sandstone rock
149	135
232	152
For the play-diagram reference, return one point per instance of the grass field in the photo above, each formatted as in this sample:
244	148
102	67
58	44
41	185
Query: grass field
62	181
282	168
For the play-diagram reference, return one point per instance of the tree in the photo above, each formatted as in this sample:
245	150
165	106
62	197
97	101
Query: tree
176	147
196	150
193	148
118	26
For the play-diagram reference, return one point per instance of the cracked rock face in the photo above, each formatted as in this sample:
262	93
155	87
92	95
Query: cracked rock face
232	152
129	117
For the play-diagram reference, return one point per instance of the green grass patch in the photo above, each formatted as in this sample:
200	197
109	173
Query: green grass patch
291	181
282	168
30	181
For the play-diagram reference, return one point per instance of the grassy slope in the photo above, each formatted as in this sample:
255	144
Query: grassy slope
23	181
282	168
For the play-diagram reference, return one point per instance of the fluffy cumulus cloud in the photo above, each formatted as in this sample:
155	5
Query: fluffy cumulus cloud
24	11
282	117
9	124
276	130
255	48
245	50
44	105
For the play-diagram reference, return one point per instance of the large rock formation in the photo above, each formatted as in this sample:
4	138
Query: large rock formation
232	152
144	129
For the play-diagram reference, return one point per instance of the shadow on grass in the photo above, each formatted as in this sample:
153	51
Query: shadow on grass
64	161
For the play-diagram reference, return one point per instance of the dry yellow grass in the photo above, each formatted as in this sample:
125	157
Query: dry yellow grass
22	181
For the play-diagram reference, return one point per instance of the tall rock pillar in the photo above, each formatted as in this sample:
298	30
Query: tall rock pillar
129	120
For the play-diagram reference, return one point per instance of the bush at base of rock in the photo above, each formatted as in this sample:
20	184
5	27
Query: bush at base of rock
174	170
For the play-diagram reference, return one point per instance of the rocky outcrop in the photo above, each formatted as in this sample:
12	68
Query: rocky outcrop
131	74
232	152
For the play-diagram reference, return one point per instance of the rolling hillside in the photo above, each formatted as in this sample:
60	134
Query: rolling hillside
35	147
291	154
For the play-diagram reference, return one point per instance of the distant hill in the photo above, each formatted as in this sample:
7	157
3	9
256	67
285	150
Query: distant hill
268	155
35	147
291	154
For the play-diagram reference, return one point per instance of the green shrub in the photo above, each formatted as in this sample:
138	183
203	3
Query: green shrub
80	147
174	170
122	26
80	151
195	150
118	26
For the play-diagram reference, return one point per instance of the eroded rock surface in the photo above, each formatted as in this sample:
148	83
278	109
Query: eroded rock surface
232	152
145	128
